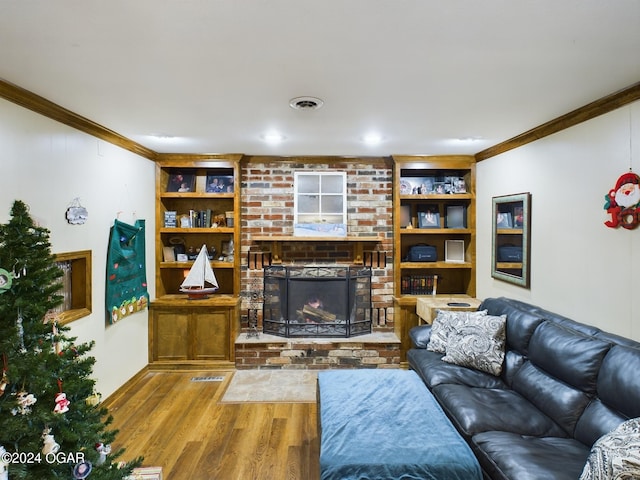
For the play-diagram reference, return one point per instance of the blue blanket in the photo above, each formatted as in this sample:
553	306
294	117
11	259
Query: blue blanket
385	424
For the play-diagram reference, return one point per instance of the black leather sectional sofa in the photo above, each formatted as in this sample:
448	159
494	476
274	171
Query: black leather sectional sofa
563	385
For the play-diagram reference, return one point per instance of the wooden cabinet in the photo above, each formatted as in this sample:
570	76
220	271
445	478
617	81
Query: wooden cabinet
200	333
434	205
197	203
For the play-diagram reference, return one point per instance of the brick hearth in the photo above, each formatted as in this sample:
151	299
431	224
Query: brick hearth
376	350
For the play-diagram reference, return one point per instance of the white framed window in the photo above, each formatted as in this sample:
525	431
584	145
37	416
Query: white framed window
320	204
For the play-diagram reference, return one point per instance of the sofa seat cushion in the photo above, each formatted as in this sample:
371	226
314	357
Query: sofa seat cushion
476	410
434	371
506	455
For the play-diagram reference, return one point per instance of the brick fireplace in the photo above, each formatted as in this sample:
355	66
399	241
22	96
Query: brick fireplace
267	231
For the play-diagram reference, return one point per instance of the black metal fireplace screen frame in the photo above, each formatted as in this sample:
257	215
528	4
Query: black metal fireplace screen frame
343	308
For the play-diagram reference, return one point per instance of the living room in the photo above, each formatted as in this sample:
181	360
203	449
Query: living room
48	164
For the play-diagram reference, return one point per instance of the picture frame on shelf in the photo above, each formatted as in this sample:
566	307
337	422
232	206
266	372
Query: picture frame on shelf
181	183
416	185
170	219
454	251
456	216
219	184
405	216
504	220
518	217
428	216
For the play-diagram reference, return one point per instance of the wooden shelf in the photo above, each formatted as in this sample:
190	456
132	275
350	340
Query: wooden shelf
435	231
509	265
195	195
187	265
291	238
437	196
434	265
197	230
181	300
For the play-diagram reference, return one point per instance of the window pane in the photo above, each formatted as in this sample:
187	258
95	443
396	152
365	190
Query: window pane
332	204
337	219
308	184
308	204
332	184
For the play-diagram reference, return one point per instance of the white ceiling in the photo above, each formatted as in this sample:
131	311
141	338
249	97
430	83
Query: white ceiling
217	75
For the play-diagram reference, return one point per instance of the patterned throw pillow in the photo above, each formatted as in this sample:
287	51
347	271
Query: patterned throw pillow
478	343
444	323
616	454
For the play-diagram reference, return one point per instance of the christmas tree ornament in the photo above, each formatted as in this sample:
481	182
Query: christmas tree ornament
4	465
6	279
50	445
82	470
20	329
25	401
62	403
103	450
93	399
4	379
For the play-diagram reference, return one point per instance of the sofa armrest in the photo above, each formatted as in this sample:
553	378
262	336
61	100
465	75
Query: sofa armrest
420	335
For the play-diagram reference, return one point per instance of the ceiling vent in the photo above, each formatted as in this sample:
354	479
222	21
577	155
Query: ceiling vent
305	103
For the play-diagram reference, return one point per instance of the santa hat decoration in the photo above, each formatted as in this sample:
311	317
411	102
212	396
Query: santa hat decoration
628	177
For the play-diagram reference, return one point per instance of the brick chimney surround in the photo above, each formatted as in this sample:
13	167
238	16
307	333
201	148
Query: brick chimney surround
267	229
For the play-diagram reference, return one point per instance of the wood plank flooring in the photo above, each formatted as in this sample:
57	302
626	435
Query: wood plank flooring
179	425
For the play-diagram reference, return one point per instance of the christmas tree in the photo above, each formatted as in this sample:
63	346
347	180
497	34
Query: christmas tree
48	428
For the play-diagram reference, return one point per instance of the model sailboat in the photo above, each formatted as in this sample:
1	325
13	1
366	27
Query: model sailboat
201	274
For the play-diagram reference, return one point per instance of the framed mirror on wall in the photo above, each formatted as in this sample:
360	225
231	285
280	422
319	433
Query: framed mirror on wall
511	239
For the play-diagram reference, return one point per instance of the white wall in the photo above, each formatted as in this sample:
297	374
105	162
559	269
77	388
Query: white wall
579	267
46	165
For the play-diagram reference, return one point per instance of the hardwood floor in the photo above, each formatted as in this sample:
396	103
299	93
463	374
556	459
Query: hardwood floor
179	425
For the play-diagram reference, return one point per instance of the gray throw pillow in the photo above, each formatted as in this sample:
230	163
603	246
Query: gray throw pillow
616	454
479	343
444	323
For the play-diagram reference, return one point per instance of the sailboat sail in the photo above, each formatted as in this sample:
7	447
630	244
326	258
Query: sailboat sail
200	273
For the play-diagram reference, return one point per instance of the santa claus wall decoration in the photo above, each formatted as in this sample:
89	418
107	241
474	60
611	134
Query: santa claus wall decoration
623	202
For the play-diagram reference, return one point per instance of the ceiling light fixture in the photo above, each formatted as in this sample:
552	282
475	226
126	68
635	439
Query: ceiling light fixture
273	138
372	139
305	103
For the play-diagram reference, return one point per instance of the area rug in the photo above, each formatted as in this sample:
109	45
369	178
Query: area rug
271	386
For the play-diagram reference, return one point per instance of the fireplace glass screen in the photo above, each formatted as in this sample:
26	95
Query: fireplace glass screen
317	301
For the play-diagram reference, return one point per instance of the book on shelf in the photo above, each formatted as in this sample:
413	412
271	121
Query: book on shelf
419	285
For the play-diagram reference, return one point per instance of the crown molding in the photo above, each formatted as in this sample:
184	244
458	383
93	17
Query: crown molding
582	114
38	104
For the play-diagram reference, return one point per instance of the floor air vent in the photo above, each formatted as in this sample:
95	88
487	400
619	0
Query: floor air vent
208	379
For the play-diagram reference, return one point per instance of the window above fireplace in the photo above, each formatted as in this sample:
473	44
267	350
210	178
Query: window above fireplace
320	204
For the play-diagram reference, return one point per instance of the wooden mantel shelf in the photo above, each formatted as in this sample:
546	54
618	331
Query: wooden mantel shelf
277	241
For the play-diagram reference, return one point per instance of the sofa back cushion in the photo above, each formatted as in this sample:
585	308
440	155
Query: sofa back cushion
562	403
568	355
560	375
619	380
521	323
